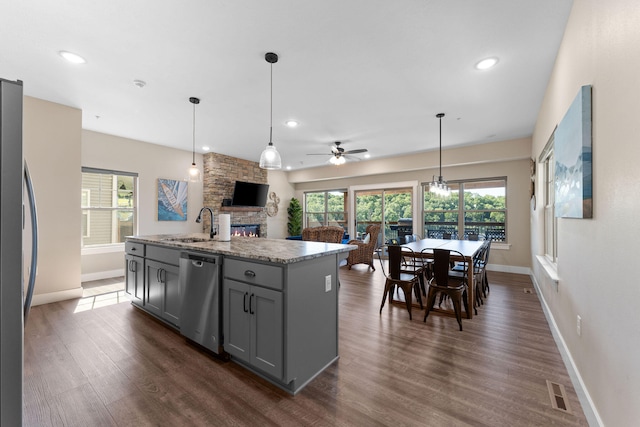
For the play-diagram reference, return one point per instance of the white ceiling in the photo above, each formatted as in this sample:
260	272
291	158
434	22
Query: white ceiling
372	74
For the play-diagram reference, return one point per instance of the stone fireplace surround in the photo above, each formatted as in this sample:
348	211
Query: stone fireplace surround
220	174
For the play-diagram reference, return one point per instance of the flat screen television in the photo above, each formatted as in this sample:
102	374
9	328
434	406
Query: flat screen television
249	194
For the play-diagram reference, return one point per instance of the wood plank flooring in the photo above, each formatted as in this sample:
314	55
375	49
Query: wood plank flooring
112	365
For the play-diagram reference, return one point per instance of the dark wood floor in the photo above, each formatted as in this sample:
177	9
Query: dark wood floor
114	365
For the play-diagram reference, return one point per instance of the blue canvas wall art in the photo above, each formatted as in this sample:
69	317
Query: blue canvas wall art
572	151
172	200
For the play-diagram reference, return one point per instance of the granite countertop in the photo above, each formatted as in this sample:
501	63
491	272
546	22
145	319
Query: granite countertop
271	250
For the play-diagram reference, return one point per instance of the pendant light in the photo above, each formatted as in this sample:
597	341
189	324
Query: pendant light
194	172
270	158
440	187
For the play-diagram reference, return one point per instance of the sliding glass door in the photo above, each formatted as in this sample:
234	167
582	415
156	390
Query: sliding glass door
390	208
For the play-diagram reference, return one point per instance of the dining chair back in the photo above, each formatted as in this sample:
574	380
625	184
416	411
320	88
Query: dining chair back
395	277
443	283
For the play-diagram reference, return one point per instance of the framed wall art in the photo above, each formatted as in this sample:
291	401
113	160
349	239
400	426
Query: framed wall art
572	151
172	200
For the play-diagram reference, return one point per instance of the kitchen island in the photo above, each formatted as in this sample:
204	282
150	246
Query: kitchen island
272	307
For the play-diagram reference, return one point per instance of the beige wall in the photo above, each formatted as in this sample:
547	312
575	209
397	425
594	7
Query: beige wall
600	47
151	162
277	224
51	136
501	159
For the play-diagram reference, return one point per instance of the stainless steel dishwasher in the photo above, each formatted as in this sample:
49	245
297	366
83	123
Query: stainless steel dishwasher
200	315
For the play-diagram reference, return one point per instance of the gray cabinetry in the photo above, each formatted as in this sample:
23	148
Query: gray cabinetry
134	278
134	272
162	296
253	326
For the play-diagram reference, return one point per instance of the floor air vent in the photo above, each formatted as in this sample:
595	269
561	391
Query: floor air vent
528	290
558	397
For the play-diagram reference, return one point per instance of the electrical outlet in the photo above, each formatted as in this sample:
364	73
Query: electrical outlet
579	326
327	283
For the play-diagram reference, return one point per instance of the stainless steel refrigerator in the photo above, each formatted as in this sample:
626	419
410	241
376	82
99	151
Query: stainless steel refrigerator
15	300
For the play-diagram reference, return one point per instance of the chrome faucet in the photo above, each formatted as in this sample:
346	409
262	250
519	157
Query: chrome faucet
199	220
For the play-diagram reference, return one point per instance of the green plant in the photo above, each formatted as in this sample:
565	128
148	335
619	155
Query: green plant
294	226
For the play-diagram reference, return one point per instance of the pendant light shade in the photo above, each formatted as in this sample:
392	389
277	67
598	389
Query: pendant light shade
194	171
440	187
270	158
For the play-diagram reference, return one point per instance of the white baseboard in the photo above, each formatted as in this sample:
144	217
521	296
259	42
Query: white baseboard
509	269
50	297
102	275
589	409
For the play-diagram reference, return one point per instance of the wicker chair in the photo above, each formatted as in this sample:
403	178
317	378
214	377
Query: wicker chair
364	253
323	234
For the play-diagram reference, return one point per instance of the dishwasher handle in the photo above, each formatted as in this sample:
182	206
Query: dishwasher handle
196	263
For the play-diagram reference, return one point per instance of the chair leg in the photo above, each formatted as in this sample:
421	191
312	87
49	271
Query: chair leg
485	284
416	289
466	304
456	308
431	300
384	295
407	298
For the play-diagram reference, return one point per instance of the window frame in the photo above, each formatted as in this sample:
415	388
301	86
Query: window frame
114	208
326	213
462	211
550	222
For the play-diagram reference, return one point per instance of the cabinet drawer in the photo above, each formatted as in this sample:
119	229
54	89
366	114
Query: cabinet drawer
134	248
266	275
168	256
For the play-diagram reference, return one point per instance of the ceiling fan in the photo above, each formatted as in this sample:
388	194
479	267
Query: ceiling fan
339	155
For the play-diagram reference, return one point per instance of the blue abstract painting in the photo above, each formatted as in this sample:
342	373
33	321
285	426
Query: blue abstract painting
572	151
172	200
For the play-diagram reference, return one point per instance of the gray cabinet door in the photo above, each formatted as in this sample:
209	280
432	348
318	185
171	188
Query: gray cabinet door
266	330
253	326
134	278
154	288
162	290
172	294
237	319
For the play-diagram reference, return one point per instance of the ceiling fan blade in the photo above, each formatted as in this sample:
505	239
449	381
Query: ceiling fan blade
359	150
351	158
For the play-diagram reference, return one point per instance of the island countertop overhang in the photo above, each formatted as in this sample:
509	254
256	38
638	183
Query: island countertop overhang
279	251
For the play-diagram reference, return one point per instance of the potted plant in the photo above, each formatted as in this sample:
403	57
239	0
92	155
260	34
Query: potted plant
294	226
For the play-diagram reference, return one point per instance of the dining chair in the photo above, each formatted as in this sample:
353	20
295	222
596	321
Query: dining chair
455	289
446	235
408	282
461	271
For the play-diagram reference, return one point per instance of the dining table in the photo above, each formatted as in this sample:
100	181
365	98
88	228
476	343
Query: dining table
468	249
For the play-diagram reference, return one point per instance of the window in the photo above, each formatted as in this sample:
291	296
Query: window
108	206
547	162
474	207
326	208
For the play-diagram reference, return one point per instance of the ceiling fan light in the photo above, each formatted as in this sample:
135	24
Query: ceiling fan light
337	160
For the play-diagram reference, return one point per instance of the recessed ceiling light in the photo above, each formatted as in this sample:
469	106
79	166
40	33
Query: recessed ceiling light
366	156
139	83
72	57
288	168
485	64
291	123
206	148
